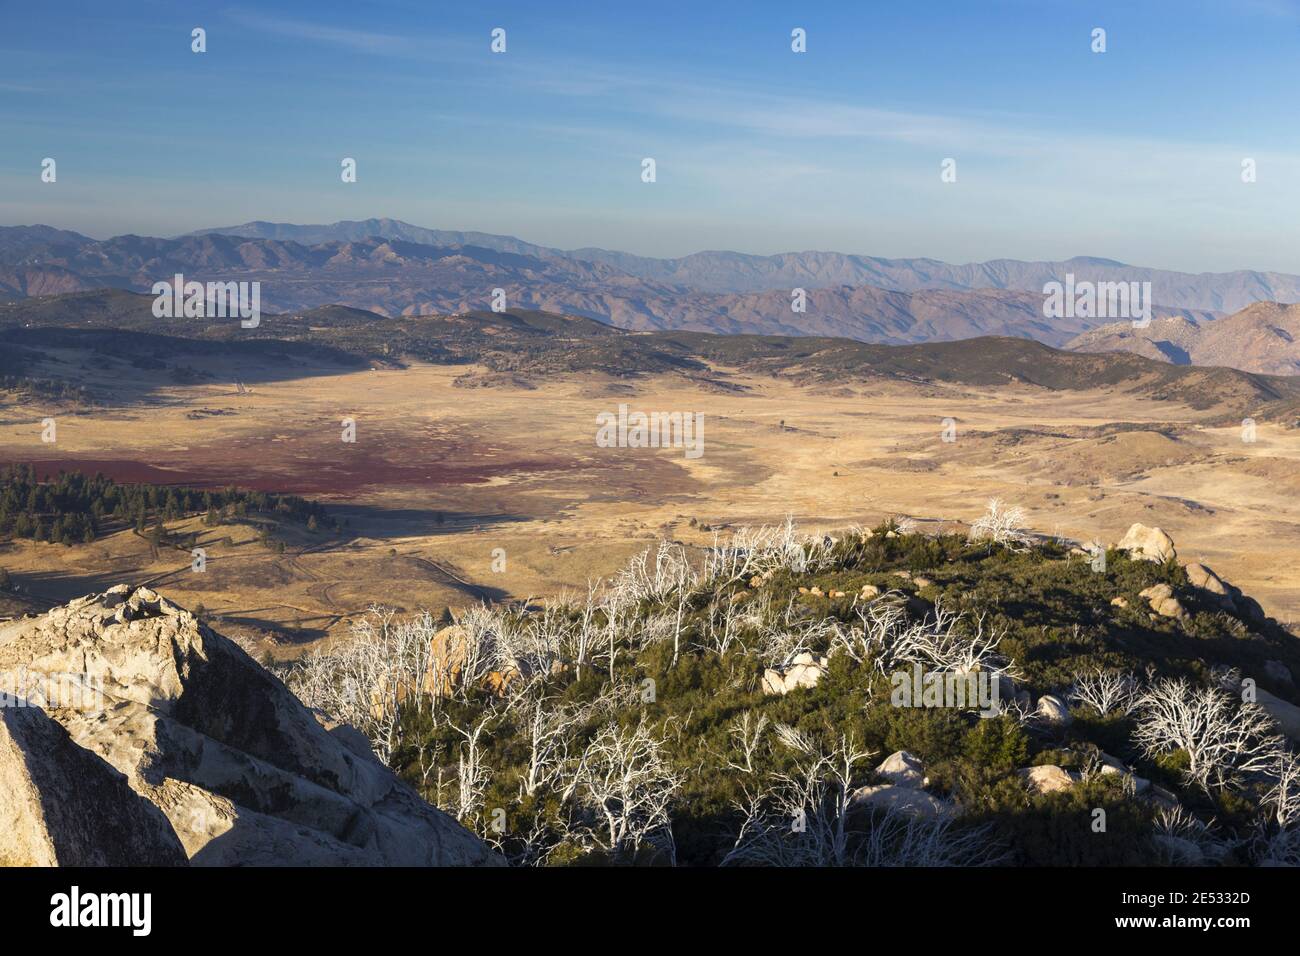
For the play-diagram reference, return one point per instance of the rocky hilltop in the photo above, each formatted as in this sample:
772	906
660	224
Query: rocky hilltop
1260	338
133	734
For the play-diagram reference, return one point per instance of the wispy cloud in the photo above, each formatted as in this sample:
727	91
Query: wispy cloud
363	41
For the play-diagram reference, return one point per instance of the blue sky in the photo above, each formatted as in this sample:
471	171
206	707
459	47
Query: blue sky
1134	154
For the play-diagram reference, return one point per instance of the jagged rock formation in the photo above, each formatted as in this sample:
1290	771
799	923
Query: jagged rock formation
242	770
61	805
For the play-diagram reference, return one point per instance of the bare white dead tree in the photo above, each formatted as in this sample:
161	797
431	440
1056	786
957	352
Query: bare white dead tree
585	633
1001	524
1021	711
943	642
723	626
746	737
882	619
366	680
1106	692
651	577
473	775
1277	840
486	643
802	818
1183	839
1283	795
541	642
549	729
624	778
897	838
525	849
755	551
777	642
1222	737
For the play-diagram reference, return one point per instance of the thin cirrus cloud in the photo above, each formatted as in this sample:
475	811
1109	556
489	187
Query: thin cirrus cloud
360	41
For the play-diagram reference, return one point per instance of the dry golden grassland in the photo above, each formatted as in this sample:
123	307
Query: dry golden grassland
441	476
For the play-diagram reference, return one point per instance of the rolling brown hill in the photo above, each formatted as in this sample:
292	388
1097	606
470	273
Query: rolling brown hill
535	345
1260	338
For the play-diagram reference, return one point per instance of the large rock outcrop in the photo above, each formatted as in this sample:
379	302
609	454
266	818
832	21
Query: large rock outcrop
60	805
1147	544
242	770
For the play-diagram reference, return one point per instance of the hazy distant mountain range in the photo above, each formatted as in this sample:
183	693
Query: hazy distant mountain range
394	268
739	272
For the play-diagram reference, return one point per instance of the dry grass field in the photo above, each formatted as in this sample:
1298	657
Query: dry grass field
440	476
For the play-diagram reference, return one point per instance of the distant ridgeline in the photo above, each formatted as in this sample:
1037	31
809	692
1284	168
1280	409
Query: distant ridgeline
73	508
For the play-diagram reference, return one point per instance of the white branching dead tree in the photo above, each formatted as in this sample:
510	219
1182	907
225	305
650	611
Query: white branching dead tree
652	577
1106	692
801	819
747	735
624	778
898	838
549	728
366	680
473	775
1223	738
1181	838
1002	524
943	642
756	551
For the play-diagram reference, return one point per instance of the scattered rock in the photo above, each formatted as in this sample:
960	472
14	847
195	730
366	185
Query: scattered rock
1147	544
902	769
889	796
1169	607
1053	710
1006	687
922	582
1162	600
869	591
1162	797
1048	778
1111	766
1202	577
1250	607
1119	602
1157	592
804	670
